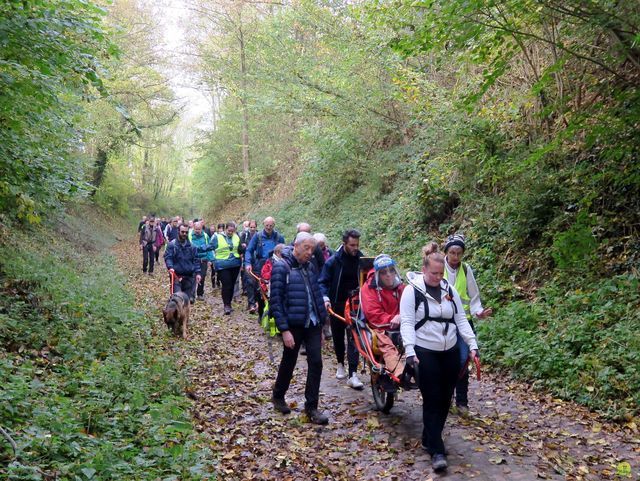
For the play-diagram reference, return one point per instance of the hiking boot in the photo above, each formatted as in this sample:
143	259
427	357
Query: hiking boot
316	417
354	382
192	300
227	310
200	298
439	462
280	405
253	309
303	350
340	372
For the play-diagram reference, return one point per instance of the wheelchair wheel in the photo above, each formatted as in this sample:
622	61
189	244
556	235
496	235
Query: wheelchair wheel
383	399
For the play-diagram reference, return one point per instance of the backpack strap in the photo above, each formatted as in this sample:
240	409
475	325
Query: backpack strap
420	298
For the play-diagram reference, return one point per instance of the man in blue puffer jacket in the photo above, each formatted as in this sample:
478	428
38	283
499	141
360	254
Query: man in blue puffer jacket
299	311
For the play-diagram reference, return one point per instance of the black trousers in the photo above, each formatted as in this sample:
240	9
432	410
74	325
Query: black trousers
311	337
437	380
338	330
186	284
204	264
228	279
147	258
252	289
158	253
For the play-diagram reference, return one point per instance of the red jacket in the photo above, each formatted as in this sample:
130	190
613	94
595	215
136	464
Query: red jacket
265	273
380	305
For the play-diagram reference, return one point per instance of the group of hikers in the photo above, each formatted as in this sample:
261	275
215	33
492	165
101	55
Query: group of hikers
309	285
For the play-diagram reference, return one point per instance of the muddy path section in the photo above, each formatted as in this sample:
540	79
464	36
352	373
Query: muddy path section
513	433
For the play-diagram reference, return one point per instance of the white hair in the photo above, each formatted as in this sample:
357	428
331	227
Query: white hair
320	237
303	236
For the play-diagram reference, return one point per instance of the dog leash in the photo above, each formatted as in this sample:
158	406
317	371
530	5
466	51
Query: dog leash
476	361
173	278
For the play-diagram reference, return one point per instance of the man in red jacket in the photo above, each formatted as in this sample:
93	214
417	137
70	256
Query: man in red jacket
381	305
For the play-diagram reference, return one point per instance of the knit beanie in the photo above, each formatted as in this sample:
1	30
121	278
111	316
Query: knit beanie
454	240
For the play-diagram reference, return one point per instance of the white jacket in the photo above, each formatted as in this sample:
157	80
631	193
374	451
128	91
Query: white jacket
431	335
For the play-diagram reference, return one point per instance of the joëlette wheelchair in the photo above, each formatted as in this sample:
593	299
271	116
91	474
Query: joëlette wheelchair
384	384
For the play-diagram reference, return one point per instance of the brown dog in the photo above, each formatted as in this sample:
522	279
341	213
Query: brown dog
176	313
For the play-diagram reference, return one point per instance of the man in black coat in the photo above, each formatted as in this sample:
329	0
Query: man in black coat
299	311
339	277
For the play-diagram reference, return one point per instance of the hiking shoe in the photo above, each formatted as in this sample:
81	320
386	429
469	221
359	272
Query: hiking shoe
303	350
227	310
439	462
354	382
316	417
463	411
252	309
340	372
280	405
192	300
200	298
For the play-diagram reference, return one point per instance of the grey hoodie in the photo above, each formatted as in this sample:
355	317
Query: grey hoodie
431	335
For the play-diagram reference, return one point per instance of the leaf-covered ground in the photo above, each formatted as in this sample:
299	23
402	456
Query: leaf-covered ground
513	433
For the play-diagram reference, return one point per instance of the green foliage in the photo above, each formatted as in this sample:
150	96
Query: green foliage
575	248
582	343
86	392
49	60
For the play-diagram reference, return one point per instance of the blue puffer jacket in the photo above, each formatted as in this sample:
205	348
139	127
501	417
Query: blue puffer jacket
289	303
182	258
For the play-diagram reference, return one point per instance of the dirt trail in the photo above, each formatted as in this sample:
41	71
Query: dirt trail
513	433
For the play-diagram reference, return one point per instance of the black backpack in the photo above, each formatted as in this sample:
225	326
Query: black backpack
420	298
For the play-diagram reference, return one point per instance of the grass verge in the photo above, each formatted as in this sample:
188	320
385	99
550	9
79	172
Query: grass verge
87	392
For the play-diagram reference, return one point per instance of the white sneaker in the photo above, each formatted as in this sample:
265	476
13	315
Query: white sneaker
340	372
354	382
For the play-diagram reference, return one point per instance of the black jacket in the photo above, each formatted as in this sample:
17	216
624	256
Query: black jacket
182	258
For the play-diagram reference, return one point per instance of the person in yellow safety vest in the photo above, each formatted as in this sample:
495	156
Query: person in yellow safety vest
460	276
227	248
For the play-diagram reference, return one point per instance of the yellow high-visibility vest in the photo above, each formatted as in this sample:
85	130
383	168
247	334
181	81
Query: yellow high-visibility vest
223	251
461	287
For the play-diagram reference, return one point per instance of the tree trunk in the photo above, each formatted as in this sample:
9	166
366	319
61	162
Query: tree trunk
102	157
245	109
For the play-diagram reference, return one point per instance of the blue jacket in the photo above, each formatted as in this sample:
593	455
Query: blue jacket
289	302
259	249
331	274
182	258
201	241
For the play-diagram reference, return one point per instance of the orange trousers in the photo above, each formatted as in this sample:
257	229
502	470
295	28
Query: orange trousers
390	354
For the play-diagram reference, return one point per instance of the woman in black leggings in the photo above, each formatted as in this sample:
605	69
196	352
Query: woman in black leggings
431	314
